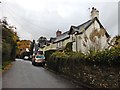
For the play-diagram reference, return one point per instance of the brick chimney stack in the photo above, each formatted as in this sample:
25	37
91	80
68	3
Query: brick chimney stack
58	33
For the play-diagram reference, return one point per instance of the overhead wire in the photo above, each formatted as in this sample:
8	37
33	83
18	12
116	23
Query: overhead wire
23	18
16	21
12	16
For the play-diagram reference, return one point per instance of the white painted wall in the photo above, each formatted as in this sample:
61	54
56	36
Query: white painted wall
50	47
104	43
80	40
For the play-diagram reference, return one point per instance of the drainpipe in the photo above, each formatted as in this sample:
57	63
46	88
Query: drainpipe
76	44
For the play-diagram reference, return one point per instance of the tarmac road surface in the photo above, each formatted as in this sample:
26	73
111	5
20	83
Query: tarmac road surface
23	74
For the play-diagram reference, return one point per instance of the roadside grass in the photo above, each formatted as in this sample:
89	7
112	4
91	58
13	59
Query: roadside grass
5	65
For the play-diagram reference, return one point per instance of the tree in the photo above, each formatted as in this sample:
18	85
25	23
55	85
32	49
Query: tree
42	41
68	47
9	40
115	42
31	47
22	46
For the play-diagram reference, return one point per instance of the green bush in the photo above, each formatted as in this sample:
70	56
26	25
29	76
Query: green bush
6	50
48	54
106	57
9	39
59	54
68	47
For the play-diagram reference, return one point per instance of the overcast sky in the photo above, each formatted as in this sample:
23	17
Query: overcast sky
35	18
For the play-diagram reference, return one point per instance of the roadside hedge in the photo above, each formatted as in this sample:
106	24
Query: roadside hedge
97	69
48	53
9	46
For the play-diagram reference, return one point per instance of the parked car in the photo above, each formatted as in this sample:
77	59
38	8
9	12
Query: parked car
26	57
38	59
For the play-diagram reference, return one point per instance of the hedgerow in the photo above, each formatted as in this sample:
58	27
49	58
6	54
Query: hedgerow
98	68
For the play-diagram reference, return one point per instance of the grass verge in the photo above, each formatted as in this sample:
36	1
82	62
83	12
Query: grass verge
6	65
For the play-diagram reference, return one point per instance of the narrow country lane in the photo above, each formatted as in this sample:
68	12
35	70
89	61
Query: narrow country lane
24	75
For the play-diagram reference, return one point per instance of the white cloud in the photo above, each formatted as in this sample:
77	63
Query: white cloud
35	18
25	35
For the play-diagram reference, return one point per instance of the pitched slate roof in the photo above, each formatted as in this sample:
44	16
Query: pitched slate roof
78	28
84	25
63	36
52	39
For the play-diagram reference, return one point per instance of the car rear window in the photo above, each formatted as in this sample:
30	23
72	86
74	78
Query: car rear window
40	56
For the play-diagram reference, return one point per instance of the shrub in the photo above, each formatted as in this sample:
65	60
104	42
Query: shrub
48	54
68	47
98	68
106	57
59	54
9	40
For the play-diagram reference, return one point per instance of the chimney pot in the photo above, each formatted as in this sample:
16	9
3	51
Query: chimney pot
58	33
94	13
92	7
